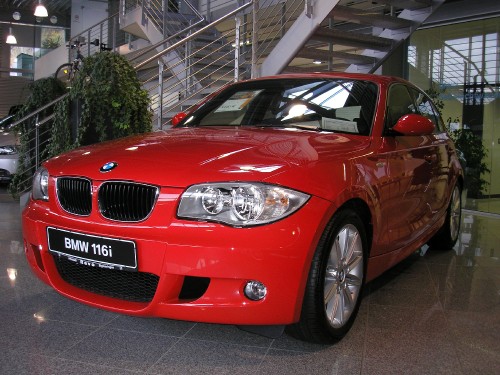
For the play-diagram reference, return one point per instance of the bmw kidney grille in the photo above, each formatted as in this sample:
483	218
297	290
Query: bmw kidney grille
118	200
126	201
75	195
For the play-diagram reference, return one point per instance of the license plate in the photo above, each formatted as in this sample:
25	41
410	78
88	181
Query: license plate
93	251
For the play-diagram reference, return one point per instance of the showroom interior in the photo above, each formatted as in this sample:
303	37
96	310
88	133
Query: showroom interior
434	313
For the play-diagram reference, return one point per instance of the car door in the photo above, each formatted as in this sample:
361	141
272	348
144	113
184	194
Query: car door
438	155
404	196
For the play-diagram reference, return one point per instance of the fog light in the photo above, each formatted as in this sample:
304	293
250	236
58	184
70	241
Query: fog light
255	290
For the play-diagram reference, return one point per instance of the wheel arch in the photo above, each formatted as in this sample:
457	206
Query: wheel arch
353	209
363	210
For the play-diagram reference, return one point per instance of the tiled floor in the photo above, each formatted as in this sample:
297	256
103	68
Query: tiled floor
437	313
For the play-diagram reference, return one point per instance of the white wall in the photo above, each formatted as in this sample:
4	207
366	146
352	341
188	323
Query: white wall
87	13
46	65
84	14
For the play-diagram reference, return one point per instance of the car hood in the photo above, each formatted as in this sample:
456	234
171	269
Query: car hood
185	156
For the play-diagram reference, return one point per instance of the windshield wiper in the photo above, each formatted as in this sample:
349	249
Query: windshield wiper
290	125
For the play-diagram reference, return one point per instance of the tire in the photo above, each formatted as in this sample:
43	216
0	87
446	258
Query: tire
447	235
65	73
336	279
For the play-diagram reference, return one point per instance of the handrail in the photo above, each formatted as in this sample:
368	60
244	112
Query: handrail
193	35
31	114
166	40
479	71
381	61
93	26
195	11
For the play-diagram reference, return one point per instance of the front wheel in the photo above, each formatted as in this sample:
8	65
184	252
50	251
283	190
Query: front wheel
335	282
447	236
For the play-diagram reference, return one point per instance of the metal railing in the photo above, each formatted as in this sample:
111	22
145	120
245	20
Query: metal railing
272	21
458	70
228	49
107	33
166	15
199	63
37	129
195	58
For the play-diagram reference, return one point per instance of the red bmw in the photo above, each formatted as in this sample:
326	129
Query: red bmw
270	205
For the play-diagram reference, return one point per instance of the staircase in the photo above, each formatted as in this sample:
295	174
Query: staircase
277	37
346	35
274	36
195	59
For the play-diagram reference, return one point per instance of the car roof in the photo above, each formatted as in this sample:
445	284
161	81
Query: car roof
381	79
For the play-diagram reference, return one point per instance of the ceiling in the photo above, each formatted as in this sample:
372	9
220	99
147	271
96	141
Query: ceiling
53	6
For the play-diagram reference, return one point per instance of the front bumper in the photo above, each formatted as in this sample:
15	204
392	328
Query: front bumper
180	251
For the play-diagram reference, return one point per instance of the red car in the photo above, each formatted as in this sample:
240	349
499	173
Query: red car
271	204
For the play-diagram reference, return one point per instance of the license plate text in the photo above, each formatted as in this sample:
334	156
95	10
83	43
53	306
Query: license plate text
84	246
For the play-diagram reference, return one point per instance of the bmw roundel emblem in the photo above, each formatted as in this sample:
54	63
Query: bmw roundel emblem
108	166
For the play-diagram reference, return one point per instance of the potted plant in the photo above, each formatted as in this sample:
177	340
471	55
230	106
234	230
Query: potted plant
110	104
470	145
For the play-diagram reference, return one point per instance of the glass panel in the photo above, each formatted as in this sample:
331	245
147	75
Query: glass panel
462	64
21	59
427	109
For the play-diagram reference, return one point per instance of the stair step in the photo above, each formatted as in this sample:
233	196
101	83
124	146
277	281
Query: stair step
324	55
406	4
352	39
366	17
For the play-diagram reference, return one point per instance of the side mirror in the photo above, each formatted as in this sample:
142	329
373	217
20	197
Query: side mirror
414	125
178	118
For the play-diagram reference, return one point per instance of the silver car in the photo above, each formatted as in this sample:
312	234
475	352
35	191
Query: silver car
8	162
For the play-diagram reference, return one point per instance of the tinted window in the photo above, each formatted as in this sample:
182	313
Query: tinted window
337	105
427	108
399	103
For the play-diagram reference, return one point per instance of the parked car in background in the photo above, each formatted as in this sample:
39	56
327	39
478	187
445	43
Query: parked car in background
271	204
8	163
7	121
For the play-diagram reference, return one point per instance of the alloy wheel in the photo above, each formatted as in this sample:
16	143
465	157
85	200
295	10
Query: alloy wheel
343	276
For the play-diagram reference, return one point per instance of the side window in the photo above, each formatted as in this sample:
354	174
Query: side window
399	103
427	109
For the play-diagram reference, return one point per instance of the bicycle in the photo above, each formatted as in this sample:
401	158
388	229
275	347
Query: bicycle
68	71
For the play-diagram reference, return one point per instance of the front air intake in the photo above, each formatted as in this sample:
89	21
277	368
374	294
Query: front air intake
126	201
124	285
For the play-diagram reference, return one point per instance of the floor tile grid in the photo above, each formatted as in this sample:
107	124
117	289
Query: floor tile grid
436	313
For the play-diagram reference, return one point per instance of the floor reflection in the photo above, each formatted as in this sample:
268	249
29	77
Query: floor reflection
490	205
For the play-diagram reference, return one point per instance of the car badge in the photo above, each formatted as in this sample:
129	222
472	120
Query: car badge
108	166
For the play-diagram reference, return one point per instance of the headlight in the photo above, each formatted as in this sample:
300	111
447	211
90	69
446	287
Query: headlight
41	185
239	204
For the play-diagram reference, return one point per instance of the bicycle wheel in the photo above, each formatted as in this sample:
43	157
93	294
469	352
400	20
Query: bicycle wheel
65	74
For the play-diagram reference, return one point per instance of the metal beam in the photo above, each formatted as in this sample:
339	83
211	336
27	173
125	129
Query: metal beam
298	34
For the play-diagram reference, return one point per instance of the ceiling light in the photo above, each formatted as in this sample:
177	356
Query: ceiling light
40	10
11	39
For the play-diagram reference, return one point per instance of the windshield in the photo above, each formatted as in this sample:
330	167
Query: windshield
339	105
